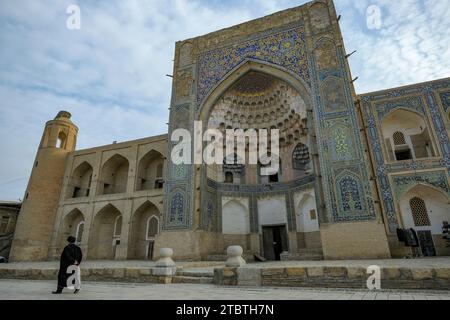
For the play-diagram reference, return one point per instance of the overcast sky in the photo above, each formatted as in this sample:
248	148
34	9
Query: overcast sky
110	74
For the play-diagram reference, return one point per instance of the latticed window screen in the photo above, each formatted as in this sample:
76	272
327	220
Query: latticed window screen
399	138
419	212
152	227
300	157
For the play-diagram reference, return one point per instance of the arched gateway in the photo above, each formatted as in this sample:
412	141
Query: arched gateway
344	171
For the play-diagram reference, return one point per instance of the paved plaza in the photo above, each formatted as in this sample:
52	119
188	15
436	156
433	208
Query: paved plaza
435	262
40	290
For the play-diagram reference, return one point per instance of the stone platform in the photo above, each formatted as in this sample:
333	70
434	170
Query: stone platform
432	273
115	271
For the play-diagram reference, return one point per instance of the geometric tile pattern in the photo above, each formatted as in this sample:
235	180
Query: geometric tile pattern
422	99
286	49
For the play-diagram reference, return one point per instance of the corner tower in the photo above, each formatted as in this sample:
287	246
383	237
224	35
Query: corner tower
36	218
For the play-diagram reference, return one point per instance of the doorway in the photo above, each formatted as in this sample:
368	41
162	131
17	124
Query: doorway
150	247
274	242
426	243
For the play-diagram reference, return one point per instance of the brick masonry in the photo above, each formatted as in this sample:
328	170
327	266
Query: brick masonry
334	277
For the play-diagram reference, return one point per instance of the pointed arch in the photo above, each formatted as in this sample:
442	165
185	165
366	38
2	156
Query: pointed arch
350	192
407	135
114	175
61	141
152	227
70	225
307	219
240	71
109	207
80	181
301	158
140	244
425	209
150	171
104	235
235	218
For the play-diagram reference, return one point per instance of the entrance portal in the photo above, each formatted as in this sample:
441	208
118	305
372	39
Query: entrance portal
426	243
274	242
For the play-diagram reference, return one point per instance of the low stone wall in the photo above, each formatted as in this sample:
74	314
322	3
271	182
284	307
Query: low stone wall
333	277
137	275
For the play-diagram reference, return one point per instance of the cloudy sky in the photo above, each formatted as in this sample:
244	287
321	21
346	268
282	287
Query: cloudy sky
111	73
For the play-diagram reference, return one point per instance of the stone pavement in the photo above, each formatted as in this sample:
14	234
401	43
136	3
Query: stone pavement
435	262
106	264
404	274
40	290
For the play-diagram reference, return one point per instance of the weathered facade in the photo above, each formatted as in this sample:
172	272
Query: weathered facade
9	212
354	168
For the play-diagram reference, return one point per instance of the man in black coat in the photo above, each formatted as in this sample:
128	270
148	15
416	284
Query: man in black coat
70	256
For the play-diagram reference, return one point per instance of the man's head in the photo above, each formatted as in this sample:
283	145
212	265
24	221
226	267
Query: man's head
71	239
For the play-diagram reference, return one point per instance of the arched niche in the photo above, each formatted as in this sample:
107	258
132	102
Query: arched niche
80	181
150	171
105	233
407	136
114	176
144	230
257	97
235	218
425	209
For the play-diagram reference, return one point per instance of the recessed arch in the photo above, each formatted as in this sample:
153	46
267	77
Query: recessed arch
350	192
424	185
425	209
150	171
70	225
269	97
142	222
241	70
152	227
406	134
114	175
235	218
307	219
80	181
105	233
61	141
301	160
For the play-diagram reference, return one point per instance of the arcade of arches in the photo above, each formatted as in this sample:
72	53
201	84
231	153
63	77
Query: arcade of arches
107	231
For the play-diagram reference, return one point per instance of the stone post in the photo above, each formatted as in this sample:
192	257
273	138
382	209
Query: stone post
165	266
235	259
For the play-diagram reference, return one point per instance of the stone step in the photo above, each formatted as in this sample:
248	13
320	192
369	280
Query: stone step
310	251
192	279
193	273
309	258
303	255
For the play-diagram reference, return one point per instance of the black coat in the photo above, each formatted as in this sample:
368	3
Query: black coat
70	254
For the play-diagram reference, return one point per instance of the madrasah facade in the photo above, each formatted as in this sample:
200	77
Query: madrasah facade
353	167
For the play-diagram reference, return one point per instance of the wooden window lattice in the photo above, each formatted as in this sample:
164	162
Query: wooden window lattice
419	212
399	138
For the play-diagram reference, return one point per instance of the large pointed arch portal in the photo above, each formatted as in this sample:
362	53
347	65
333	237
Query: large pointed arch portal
310	58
